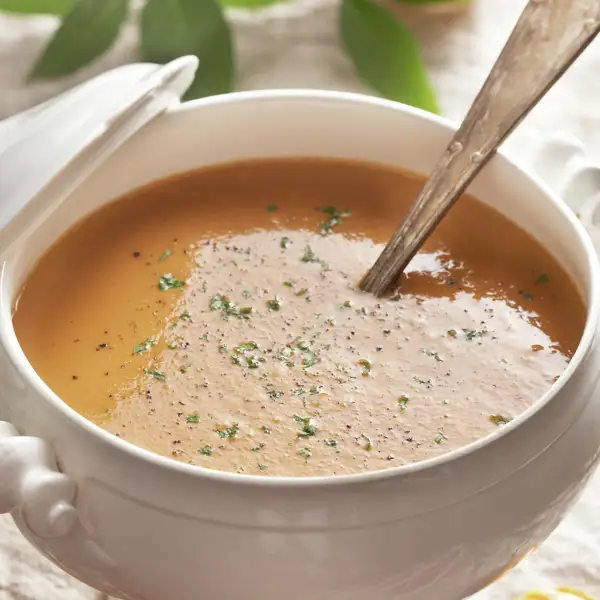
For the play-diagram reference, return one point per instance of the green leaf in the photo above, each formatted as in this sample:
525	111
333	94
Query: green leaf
37	7
173	28
86	32
385	54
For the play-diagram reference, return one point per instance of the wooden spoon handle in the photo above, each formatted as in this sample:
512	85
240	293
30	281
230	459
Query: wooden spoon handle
548	37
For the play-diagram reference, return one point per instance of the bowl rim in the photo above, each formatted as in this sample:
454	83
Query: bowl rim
15	354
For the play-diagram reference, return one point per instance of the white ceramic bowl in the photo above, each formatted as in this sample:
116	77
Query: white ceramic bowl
140	526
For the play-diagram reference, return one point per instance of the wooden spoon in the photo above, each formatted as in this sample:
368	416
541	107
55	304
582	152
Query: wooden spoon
548	37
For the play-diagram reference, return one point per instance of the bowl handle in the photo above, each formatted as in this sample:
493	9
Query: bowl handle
41	501
31	484
562	162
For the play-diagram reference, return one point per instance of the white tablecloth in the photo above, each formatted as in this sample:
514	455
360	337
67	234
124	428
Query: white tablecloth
296	45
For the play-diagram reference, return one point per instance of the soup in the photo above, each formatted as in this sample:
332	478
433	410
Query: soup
214	317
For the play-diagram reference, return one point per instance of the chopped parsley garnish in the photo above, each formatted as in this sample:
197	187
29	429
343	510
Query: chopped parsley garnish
305	453
440	437
168	282
274	304
246	347
334	217
347	304
288	284
303	345
240	356
265	428
368	445
262	467
184	368
227	432
206	451
144	346
272	208
228	308
452	333
365	367
310	360
185	316
500	419
308	428
402	402
471	334
285	242
165	255
259	447
432	354
156	374
302	292
222	349
526	295
310	257
543	278
193	418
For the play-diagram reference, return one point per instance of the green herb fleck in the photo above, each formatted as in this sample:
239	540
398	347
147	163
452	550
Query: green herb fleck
402	402
168	282
528	296
331	443
305	453
452	333
259	447
288	284
144	346
303	345
185	316
184	368
272	208
228	308
245	347
193	418
262	467
165	255
310	360
347	304
206	451
543	278
285	242
274	304
366	367
310	257
302	292
500	419
308	428
440	437
222	349
368	445
432	354
227	432
471	334
156	374
265	428
334	217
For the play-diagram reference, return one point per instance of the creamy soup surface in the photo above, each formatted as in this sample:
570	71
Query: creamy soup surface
214	318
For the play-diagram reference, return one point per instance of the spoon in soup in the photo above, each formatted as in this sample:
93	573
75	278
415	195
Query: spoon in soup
547	39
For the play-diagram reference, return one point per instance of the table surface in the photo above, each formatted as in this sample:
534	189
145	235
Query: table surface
296	45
